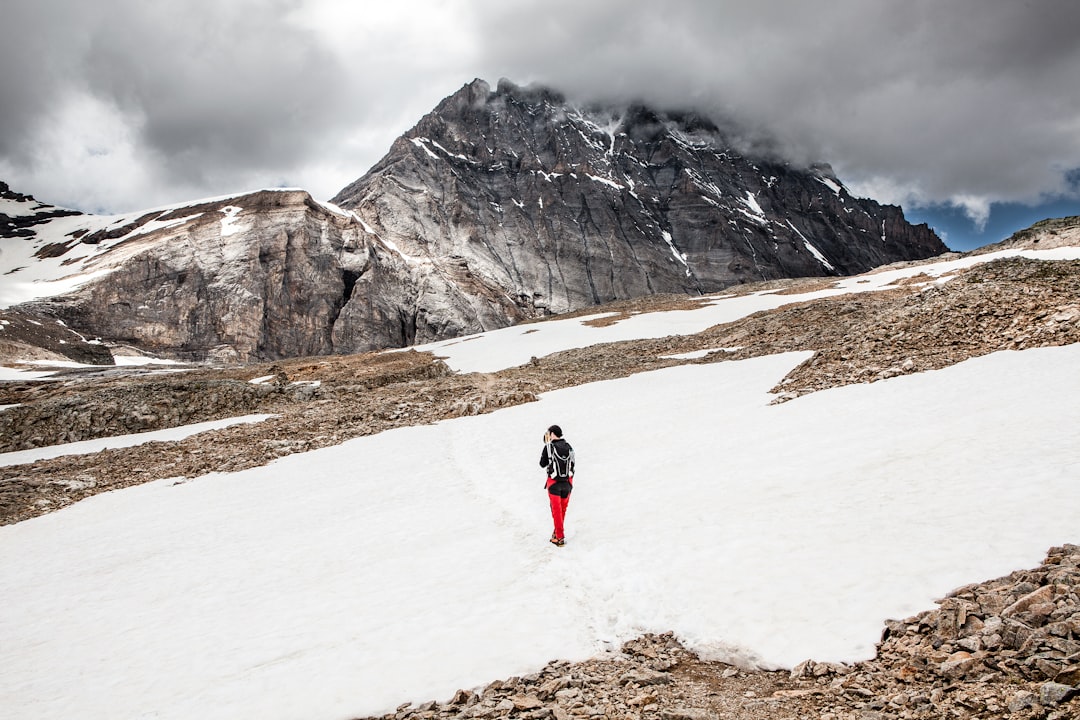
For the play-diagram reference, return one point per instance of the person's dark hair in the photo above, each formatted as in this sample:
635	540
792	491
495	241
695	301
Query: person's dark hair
555	430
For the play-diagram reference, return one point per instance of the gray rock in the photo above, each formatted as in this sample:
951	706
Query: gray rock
1052	693
685	714
645	677
1022	700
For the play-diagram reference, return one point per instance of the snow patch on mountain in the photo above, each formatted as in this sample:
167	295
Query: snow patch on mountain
509	347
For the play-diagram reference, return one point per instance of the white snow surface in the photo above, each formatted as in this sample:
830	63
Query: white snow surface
408	564
229	225
122	441
831	184
11	373
405	565
813	250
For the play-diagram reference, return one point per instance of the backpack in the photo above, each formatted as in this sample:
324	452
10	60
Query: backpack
559	466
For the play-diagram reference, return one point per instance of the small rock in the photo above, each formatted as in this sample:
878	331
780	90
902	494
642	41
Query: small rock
644	678
685	714
1021	701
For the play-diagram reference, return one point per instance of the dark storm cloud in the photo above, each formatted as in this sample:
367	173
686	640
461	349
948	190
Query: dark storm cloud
940	99
229	86
212	90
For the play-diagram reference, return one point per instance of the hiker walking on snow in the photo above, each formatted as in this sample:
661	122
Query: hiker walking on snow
558	459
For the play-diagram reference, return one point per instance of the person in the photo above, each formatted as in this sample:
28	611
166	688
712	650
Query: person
558	459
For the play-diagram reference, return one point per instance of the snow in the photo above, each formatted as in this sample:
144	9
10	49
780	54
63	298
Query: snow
754	213
680	257
419	142
401	566
509	347
707	186
831	184
696	354
229	225
20	373
21	208
605	181
138	360
367	228
752	203
813	250
83	447
818	255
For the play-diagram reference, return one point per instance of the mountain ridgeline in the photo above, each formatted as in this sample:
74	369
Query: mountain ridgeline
567	207
498	206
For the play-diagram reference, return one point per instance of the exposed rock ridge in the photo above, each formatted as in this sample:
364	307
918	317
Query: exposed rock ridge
19	213
1043	235
262	275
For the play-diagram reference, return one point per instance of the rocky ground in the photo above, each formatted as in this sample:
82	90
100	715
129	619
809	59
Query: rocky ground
1007	648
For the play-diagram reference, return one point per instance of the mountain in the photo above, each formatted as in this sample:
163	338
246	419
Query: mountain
563	207
498	206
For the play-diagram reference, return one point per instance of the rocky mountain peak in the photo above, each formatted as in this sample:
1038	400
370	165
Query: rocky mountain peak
561	206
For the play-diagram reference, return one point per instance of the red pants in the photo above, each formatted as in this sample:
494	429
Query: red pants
558	513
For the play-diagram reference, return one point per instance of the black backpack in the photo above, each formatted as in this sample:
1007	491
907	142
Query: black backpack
559	466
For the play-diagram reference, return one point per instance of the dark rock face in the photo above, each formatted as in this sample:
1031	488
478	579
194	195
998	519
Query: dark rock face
498	206
563	208
32	212
31	336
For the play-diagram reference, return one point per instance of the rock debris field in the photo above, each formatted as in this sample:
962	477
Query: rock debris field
1008	648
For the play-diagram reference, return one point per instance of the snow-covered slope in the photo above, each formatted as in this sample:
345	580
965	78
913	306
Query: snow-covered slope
266	274
405	565
509	347
54	256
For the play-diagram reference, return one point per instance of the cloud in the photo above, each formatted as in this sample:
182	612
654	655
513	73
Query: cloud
950	101
119	103
185	95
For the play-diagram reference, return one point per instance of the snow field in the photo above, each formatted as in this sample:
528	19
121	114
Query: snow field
408	564
513	346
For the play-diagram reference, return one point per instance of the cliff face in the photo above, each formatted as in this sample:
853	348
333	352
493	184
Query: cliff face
563	207
264	275
498	206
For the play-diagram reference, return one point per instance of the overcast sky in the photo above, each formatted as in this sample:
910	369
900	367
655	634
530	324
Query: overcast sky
954	107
